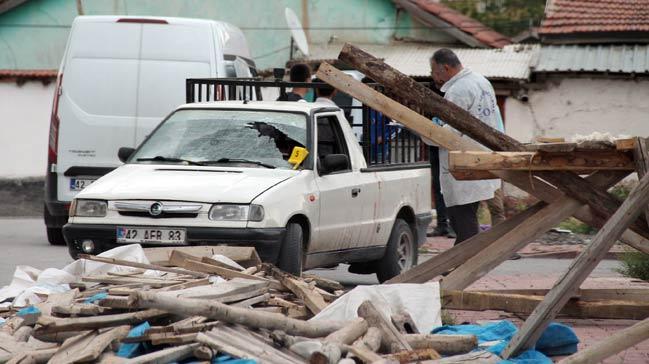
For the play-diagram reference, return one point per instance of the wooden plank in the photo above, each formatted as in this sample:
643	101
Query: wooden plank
236	315
156	283
586	294
244	255
550	140
625	144
580	269
244	345
641	159
466	175
219	263
532	161
525	304
231	291
443	344
477	357
312	299
193	263
52	325
551	147
88	347
126	263
169	355
612	345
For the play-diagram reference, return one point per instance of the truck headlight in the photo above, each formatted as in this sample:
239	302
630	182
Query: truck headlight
227	212
88	208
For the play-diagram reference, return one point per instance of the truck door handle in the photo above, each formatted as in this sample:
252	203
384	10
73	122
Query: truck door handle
355	191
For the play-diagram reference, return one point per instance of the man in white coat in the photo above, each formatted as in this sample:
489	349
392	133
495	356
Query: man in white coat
472	92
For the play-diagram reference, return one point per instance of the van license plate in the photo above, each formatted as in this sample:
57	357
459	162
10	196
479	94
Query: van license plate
150	235
78	184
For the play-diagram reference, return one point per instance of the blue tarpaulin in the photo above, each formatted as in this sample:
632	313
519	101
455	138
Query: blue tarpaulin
557	339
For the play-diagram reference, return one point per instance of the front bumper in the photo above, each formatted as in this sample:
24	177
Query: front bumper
267	241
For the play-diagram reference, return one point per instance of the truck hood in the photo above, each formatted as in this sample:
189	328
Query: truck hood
185	183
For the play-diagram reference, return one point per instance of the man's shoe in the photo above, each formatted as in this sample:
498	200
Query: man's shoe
451	234
437	231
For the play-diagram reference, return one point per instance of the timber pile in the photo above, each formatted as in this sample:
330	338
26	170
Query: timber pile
551	173
199	307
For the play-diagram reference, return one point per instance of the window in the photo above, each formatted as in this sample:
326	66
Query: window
331	139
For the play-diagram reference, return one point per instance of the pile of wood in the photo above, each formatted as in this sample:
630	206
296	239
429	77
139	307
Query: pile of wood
257	312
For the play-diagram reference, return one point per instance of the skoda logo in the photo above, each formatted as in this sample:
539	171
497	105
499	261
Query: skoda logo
156	209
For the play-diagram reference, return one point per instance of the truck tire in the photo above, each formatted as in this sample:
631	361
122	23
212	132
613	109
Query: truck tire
290	254
400	254
55	236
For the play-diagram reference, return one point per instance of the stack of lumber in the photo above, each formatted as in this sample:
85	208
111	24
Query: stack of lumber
199	308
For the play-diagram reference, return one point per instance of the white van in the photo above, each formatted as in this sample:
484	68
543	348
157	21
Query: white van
119	77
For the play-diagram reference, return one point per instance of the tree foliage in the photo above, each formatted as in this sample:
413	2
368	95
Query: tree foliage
509	17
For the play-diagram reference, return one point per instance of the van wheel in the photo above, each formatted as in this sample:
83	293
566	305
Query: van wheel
55	236
290	254
400	254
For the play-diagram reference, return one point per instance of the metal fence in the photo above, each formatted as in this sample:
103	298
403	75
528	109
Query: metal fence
384	142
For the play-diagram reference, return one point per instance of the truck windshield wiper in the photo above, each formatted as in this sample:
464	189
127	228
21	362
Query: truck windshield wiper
240	160
159	158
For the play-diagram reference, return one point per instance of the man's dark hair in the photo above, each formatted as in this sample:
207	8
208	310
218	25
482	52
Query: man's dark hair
325	91
300	72
445	56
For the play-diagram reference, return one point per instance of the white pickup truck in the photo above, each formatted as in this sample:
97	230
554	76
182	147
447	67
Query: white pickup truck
222	173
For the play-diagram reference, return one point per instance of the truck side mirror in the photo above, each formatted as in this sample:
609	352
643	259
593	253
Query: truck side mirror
334	162
124	153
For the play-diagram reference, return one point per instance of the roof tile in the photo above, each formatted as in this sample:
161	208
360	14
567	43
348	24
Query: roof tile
592	16
466	24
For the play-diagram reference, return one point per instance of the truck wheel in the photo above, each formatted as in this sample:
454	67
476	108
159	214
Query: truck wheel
400	254
290	254
55	236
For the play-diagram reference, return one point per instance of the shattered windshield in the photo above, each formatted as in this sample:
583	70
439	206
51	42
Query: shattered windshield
211	137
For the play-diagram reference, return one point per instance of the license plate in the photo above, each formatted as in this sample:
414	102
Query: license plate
78	184
150	235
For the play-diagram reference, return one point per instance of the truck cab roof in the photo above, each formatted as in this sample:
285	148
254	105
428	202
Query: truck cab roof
291	106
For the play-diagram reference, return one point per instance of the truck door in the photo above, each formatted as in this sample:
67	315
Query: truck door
347	196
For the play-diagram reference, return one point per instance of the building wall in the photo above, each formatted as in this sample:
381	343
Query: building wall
25	119
570	106
34	34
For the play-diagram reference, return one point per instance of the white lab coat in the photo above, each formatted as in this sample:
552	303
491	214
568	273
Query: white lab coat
472	92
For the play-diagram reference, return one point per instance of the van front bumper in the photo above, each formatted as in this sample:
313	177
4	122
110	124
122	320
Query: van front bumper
267	241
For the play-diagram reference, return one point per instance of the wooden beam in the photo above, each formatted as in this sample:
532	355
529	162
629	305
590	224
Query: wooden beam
126	263
580	269
443	344
312	299
51	325
532	161
612	345
586	294
235	315
625	144
525	304
641	158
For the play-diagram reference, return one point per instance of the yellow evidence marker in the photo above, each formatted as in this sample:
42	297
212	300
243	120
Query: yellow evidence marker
298	155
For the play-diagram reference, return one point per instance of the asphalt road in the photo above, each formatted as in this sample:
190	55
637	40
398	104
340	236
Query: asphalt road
24	242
